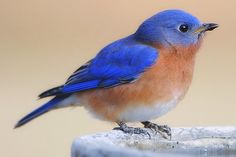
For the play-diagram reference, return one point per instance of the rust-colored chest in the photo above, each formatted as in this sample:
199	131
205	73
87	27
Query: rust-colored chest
170	76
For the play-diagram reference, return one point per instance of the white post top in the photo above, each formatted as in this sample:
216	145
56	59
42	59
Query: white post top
191	141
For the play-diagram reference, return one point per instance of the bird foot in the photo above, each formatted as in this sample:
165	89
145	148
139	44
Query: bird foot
164	130
131	130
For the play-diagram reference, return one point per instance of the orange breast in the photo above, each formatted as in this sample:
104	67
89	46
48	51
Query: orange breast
167	79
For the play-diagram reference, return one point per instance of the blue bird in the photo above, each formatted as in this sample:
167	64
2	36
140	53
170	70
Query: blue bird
137	78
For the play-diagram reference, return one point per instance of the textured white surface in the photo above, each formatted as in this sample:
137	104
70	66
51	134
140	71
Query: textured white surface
189	141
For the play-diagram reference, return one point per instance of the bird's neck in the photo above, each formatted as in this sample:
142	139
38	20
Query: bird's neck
179	50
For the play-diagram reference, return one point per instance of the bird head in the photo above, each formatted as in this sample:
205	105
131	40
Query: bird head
173	28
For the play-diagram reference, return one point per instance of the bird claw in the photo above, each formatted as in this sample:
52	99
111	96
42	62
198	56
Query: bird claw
131	130
164	130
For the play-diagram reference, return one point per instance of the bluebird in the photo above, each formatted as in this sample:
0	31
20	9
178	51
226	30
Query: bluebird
137	78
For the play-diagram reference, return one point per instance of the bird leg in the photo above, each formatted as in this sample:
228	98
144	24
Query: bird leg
164	130
131	130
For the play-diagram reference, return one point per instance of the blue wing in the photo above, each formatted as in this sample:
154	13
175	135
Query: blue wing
114	65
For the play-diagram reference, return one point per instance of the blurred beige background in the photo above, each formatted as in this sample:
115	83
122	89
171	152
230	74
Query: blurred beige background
43	41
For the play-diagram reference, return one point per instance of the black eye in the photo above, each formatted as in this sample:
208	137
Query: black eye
183	28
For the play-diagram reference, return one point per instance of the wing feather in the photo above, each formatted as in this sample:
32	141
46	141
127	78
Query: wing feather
111	67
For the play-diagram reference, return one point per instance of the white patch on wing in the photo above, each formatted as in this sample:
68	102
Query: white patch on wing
139	113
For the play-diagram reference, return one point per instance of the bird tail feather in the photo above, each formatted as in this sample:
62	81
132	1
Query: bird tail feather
41	110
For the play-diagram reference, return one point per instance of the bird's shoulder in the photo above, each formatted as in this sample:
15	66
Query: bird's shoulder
126	50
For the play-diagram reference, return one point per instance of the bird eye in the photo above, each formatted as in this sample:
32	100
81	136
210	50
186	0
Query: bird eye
183	28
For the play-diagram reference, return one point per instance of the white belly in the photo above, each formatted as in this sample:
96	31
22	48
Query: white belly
139	113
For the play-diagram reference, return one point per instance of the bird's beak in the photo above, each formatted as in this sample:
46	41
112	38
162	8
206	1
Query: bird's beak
206	27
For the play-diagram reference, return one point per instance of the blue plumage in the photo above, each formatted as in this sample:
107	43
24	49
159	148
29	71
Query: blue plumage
120	62
41	110
125	60
163	28
79	87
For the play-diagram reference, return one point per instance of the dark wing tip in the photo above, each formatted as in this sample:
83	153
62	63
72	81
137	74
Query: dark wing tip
50	92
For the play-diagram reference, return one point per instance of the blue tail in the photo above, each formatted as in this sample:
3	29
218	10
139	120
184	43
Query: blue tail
41	110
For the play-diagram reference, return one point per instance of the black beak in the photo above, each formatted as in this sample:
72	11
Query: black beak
206	27
210	26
